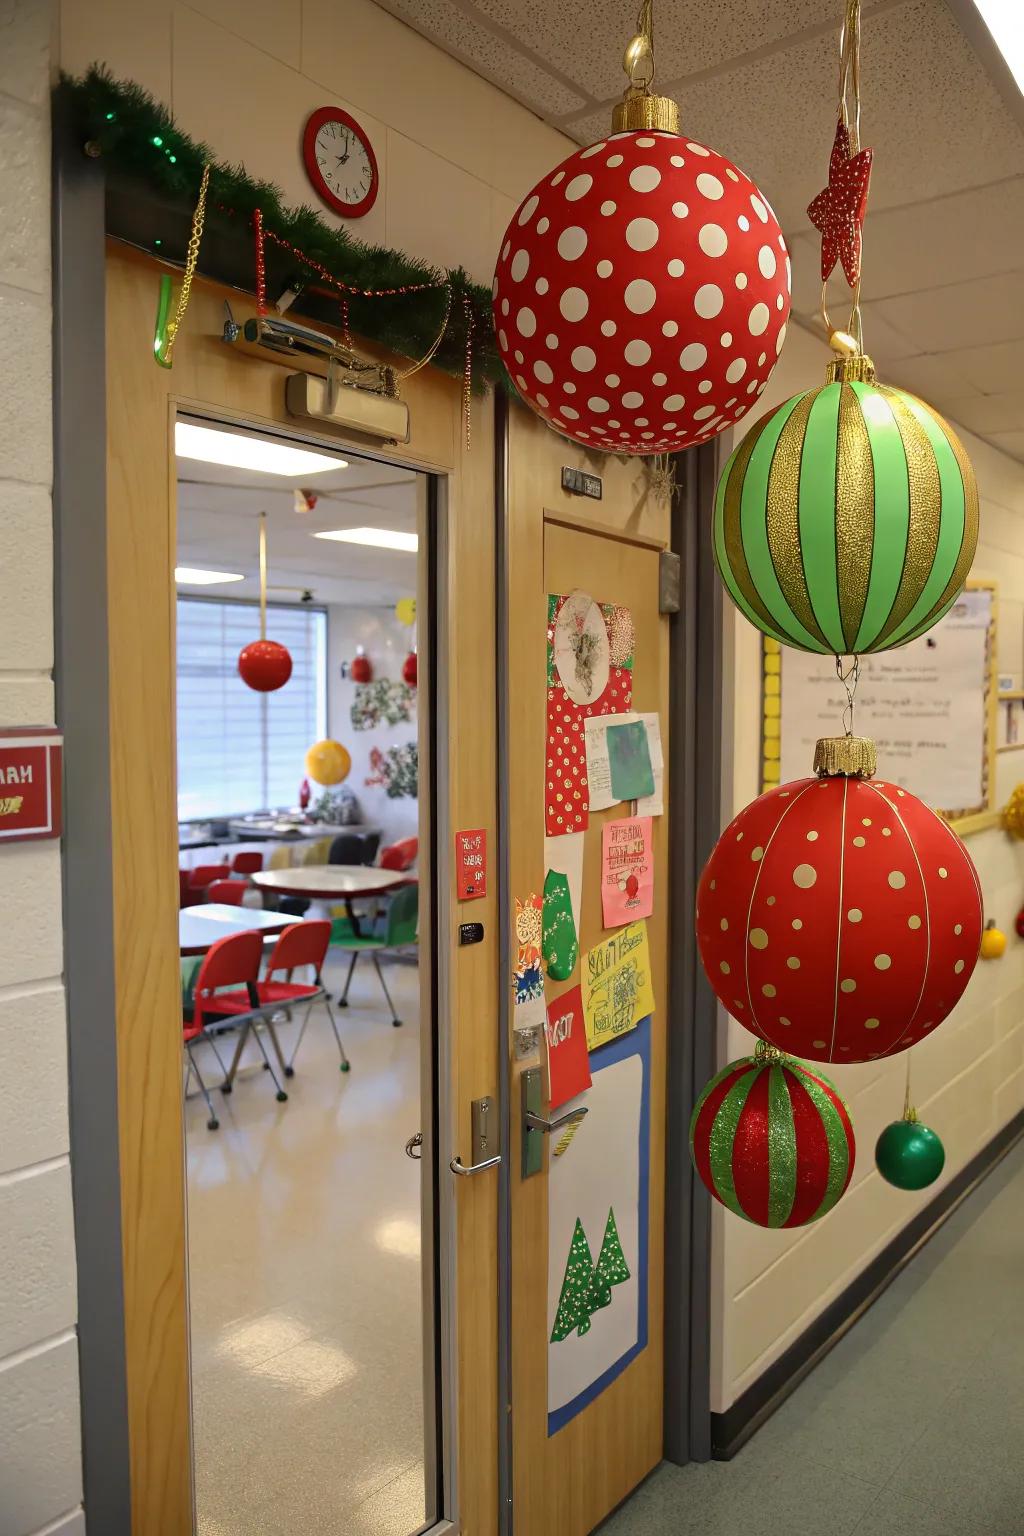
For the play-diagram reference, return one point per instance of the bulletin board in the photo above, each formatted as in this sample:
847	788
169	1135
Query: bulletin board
930	708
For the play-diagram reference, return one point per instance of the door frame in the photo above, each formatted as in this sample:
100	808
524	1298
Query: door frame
148	1493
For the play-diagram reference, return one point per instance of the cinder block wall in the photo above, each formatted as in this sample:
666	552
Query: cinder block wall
40	1458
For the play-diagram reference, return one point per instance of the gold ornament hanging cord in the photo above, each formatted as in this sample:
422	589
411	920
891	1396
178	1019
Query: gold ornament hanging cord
848	343
167	330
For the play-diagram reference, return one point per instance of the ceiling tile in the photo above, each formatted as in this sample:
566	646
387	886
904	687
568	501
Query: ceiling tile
689	37
988	414
934	120
489	53
961	315
1010	442
929	376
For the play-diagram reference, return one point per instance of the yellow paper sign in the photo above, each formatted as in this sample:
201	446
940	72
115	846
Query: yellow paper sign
617	990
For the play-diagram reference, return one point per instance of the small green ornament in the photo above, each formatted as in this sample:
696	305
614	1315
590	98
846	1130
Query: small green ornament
559	943
908	1155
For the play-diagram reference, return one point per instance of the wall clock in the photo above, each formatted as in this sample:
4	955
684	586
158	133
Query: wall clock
340	162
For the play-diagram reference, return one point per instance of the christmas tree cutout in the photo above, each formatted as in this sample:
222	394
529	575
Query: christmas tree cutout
586	1286
611	1267
573	1309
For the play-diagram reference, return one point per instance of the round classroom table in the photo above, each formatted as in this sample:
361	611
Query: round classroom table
333	882
200	927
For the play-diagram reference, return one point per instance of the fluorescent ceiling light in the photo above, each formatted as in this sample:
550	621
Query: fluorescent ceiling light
380	538
212	446
1003	19
189	576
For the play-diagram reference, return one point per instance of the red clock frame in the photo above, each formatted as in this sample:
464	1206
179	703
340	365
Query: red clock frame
316	121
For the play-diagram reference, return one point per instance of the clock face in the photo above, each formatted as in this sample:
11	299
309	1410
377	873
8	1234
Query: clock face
340	162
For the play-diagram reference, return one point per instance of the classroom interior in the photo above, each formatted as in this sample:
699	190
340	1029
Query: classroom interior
511	768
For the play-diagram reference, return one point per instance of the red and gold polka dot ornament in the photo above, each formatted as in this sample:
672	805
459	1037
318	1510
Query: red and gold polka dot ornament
773	1141
642	289
839	918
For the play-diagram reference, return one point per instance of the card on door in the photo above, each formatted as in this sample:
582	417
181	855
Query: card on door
627	870
568	1060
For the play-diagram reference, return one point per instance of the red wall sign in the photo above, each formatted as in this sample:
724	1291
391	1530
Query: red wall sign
29	785
471	864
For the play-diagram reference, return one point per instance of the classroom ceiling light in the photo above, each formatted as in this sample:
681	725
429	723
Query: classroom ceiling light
191	576
379	538
1002	18
236	450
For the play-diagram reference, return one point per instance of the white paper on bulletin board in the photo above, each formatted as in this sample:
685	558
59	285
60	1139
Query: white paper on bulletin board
926	706
605	1169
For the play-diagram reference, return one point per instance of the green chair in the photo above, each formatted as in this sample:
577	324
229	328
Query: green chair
400	933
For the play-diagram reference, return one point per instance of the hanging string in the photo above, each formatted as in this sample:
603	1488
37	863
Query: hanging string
849	679
263	575
909	1112
851	340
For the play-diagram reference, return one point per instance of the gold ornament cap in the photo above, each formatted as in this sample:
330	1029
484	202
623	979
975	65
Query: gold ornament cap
638	109
848	757
854	369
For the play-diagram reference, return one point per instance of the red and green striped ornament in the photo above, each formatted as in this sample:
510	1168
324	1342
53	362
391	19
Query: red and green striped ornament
772	1141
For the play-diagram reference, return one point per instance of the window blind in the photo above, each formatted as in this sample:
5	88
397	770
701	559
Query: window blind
239	750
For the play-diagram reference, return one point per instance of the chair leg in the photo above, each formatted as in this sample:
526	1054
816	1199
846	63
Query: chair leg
344	1066
212	1123
290	1068
286	1070
282	1097
343	999
395	1020
229	1080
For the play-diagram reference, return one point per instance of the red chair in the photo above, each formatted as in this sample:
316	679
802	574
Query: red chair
303	944
205	874
233	961
229	891
247	863
401	855
187	897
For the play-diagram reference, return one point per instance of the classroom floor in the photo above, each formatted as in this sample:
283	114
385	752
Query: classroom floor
914	1422
304	1244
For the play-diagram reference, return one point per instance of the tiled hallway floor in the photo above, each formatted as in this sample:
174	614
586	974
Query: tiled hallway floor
912	1426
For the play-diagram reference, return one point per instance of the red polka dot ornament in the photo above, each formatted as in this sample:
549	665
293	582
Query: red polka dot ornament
642	289
839	918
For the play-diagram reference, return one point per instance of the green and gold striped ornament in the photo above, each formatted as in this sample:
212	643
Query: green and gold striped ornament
772	1140
846	521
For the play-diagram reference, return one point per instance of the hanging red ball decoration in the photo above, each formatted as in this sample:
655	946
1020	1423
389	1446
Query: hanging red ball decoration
839	918
264	665
410	670
772	1141
641	294
360	671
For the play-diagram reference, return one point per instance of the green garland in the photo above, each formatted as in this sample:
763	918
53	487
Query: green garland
138	140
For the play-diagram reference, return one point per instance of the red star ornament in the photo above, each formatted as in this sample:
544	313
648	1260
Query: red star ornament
838	210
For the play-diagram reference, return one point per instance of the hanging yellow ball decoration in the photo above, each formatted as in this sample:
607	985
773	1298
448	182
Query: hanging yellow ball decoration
405	611
1013	812
328	762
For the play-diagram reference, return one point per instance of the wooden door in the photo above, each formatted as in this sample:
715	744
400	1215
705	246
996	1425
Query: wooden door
577	1455
210	379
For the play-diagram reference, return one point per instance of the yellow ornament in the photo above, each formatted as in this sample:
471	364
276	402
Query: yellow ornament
328	762
993	942
1013	812
405	611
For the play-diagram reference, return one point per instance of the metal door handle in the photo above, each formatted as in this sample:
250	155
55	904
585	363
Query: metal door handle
458	1166
538	1123
414	1147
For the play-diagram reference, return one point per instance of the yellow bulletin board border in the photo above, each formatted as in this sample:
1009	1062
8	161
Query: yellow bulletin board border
965	820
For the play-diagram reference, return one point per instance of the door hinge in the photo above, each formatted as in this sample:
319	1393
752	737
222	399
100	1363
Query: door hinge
669	578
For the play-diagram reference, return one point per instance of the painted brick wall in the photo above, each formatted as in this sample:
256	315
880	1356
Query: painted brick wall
968	1076
40	1459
